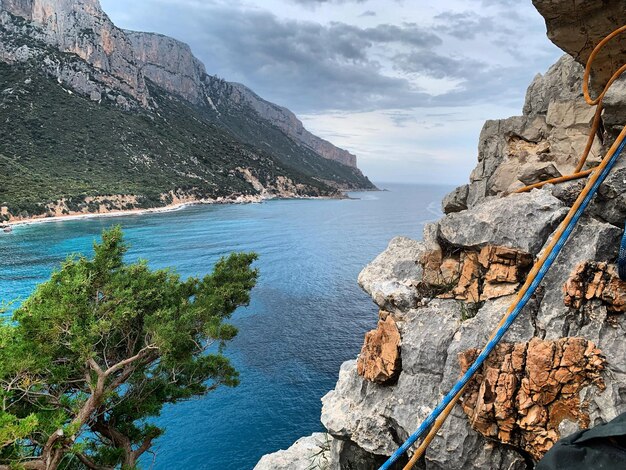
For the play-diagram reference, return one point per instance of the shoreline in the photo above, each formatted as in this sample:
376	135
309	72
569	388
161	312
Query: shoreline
241	199
113	213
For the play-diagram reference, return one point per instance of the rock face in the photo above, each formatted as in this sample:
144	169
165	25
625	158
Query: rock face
287	121
576	27
121	61
525	391
562	364
379	360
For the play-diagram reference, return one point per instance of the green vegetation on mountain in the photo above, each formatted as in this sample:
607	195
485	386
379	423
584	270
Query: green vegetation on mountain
56	144
101	347
242	121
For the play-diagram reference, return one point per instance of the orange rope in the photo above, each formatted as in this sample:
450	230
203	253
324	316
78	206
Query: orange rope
419	452
596	119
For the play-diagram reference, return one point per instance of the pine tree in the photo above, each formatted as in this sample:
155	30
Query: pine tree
97	350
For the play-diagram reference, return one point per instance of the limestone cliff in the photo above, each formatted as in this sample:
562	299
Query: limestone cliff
562	365
172	65
121	61
91	113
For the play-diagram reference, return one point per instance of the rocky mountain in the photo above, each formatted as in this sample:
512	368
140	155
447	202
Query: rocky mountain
562	365
93	111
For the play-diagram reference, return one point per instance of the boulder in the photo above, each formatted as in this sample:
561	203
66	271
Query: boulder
391	278
522	221
540	172
456	201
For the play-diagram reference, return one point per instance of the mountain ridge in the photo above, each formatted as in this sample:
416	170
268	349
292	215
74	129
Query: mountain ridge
140	79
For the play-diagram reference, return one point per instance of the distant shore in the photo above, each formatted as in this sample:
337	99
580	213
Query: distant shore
113	213
249	199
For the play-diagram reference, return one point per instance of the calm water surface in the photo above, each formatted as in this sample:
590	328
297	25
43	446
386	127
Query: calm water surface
307	315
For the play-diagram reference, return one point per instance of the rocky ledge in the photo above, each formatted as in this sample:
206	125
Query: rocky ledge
562	365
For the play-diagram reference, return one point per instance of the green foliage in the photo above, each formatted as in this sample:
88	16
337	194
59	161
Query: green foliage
55	145
98	349
469	309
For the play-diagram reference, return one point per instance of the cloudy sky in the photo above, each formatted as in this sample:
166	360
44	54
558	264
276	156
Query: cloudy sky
404	84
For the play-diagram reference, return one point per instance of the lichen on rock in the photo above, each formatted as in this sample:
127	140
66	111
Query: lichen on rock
593	280
379	360
524	391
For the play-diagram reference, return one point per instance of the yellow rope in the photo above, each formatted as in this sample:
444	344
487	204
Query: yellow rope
594	177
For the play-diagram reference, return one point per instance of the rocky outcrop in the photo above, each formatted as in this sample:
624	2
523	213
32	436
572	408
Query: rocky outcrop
391	279
576	27
117	64
379	360
526	391
552	131
521	221
562	364
306	453
169	63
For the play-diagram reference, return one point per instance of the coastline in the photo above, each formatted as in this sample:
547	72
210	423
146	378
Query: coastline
241	199
113	213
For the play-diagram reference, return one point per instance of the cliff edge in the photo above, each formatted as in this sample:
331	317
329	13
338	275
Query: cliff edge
562	365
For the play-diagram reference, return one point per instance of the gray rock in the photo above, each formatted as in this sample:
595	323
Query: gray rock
539	172
610	203
455	201
457	447
390	279
590	240
306	453
521	221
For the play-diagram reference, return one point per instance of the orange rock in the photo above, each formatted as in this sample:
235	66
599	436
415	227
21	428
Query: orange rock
525	390
475	276
379	360
592	280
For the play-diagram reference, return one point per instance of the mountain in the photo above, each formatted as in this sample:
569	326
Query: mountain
96	118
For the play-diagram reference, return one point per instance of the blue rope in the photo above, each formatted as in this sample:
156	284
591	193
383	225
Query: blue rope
621	261
428	422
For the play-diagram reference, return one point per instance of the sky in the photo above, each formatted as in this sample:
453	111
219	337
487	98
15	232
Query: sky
406	85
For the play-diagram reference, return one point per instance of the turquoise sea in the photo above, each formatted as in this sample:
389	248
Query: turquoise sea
307	316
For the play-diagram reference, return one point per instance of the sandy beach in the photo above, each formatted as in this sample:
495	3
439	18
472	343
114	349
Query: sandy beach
169	208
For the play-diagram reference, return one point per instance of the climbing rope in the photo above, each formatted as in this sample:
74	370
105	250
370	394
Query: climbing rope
437	417
621	261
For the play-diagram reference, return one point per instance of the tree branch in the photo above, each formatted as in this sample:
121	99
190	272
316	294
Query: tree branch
130	360
90	463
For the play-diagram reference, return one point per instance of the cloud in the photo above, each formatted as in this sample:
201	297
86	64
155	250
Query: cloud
403	67
314	67
318	2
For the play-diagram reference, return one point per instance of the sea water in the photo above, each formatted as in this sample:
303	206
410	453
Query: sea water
307	314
